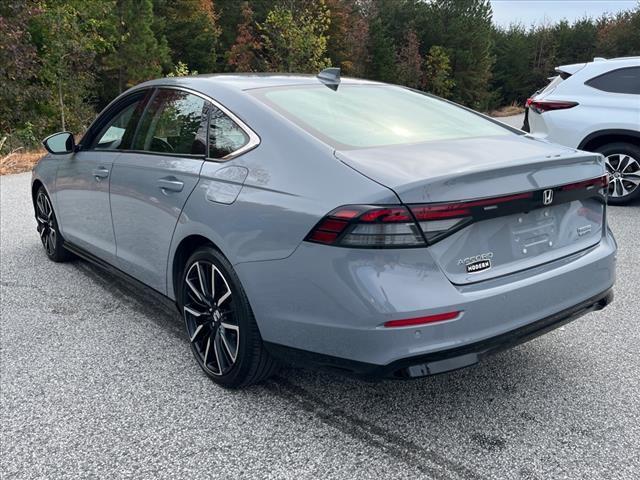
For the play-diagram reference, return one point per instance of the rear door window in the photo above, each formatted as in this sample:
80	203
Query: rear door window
623	80
175	122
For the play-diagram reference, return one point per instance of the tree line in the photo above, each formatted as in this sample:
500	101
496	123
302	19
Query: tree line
61	61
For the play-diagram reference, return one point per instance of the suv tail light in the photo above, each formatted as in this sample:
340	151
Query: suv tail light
541	106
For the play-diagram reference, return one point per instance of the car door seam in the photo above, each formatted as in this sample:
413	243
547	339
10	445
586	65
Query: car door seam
175	227
113	227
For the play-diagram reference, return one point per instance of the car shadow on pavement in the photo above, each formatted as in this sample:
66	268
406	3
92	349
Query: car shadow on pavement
409	419
145	301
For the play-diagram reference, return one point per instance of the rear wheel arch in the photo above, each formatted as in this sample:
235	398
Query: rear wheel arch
183	251
598	139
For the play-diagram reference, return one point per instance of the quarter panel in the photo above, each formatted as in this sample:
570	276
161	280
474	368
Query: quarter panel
292	181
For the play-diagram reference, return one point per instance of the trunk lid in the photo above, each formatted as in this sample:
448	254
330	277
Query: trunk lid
496	243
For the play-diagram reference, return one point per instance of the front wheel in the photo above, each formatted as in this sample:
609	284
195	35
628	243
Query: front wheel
50	236
622	161
220	325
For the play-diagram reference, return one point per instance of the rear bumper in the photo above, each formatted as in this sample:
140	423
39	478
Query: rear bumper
443	360
334	301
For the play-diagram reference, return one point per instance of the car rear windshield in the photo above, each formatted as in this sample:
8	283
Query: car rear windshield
361	116
554	82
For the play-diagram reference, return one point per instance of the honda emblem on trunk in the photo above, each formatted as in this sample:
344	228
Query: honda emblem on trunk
547	197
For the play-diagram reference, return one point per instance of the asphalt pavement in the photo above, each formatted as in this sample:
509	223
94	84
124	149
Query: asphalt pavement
515	121
97	381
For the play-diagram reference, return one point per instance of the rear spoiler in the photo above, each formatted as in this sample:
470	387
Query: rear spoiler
566	71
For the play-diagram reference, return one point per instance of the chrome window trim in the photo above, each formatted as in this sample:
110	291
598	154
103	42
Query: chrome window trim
254	139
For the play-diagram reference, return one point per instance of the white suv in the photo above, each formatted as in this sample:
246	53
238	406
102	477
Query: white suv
595	106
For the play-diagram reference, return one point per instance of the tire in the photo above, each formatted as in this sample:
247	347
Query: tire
50	235
623	165
220	325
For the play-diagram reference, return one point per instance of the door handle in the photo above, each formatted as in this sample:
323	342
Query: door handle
100	173
170	184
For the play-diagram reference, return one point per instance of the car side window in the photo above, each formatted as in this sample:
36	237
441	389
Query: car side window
111	135
623	80
225	136
174	122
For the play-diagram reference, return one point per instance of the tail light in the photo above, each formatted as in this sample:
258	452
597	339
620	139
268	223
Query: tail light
370	226
439	220
600	182
541	106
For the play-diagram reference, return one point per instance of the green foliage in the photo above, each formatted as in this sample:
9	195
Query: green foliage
409	62
68	36
296	41
381	64
438	72
464	28
244	54
191	29
181	69
348	36
620	35
231	15
512	74
137	54
20	91
63	60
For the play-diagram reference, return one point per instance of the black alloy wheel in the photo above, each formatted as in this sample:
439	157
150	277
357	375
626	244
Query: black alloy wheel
220	325
50	236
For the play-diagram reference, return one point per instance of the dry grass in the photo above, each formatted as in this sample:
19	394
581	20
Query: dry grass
20	161
508	111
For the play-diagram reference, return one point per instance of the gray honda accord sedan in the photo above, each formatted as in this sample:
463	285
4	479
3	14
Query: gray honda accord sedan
346	224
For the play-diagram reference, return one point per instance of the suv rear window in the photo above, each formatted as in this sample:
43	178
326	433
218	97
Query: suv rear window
623	80
361	116
554	82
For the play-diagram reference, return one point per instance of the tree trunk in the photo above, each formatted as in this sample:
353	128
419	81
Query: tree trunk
61	103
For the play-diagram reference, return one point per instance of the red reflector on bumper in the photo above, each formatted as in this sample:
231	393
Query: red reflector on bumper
410	322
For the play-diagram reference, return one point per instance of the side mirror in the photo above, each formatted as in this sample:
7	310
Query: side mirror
60	143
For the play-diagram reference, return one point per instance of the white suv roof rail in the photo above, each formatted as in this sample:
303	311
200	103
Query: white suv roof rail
627	58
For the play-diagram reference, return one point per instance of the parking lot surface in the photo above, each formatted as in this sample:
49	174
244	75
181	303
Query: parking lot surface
97	380
515	121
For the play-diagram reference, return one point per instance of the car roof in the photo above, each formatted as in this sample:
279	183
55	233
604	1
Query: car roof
598	66
603	62
249	81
